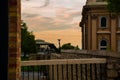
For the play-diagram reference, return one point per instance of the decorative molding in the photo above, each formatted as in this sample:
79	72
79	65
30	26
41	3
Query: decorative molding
94	16
86	18
103	32
118	32
113	16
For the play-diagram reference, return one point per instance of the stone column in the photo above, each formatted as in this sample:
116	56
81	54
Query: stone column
113	33
94	31
14	49
89	32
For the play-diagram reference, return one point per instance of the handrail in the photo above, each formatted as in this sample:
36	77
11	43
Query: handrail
63	61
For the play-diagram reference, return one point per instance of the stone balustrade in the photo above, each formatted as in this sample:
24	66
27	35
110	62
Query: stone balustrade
113	59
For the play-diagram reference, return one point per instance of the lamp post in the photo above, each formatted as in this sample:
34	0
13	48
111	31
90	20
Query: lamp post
59	45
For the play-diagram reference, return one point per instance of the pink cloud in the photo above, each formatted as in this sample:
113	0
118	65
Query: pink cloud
59	19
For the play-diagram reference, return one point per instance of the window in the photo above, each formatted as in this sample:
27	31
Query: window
103	22
103	45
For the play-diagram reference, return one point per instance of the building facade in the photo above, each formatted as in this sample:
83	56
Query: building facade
100	28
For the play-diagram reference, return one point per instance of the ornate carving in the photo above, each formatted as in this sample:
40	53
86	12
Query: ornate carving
94	16
86	17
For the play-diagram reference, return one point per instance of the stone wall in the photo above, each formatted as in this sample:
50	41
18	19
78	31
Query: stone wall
113	59
39	56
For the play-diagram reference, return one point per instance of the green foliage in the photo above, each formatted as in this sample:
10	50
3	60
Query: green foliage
77	47
24	58
114	6
36	68
69	46
28	44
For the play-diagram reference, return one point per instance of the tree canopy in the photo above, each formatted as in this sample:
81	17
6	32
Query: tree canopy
114	6
69	46
28	44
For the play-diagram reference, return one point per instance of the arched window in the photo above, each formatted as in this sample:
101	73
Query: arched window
103	45
103	22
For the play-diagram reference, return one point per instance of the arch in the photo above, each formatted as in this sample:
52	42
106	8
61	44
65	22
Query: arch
103	44
103	22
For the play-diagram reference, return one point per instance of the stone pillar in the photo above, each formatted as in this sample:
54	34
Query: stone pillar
89	32
14	51
113	33
94	31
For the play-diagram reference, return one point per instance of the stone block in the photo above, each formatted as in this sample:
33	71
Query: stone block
110	66
117	66
112	73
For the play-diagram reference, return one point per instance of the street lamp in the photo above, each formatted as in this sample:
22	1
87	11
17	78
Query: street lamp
59	45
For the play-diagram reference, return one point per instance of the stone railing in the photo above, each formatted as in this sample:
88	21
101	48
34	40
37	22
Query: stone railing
113	59
64	69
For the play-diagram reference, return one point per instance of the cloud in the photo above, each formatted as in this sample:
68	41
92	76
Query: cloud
65	18
53	19
69	36
38	23
46	3
29	15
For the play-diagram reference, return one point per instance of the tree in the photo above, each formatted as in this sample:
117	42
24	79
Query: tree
114	6
69	46
28	44
77	47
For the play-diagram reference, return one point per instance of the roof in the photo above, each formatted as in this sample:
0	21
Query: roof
42	42
91	4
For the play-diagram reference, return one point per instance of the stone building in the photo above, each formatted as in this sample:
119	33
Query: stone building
100	28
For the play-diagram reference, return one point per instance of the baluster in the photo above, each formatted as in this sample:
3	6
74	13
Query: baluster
38	72
52	72
76	71
57	73
33	71
28	72
81	72
91	72
23	73
86	71
71	71
62	73
95	70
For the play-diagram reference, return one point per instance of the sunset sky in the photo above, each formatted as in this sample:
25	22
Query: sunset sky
54	19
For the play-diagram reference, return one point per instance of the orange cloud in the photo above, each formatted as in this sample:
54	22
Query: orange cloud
67	36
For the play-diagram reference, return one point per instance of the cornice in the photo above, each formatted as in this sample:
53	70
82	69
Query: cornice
103	32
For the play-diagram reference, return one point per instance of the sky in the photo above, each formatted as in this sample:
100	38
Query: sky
51	20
